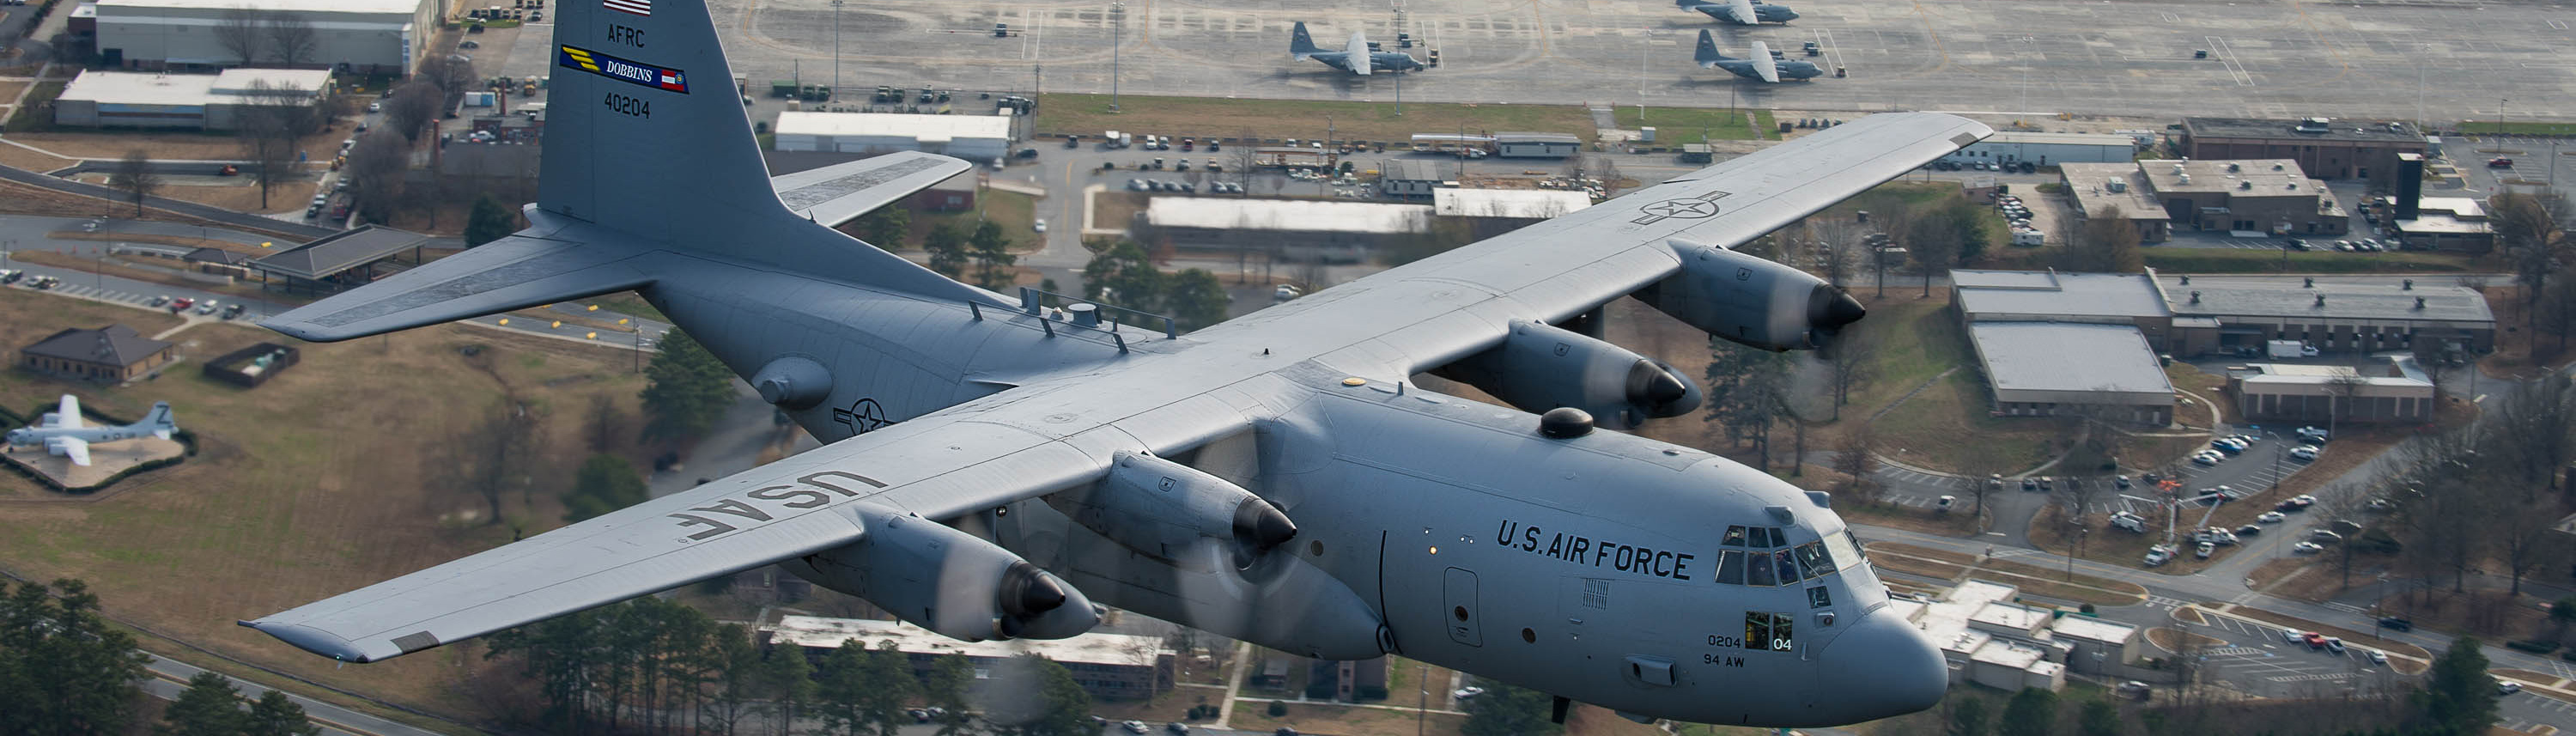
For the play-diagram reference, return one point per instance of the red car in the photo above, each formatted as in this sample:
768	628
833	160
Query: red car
182	304
2314	640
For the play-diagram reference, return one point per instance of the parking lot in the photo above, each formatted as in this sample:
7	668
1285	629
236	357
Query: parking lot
2258	660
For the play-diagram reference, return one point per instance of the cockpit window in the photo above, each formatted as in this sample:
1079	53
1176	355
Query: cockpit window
1812	560
1758	570
1788	568
1844	548
1766	537
1730	567
1734	536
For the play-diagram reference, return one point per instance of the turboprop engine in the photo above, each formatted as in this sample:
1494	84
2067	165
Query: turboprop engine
1162	508
1750	300
948	581
1538	367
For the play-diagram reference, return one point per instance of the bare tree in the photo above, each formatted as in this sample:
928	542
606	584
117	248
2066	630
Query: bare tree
2104	243
134	176
1853	358
1854	460
2530	433
606	426
453	75
376	168
497	454
291	39
269	125
412	107
238	32
2532	230
2340	392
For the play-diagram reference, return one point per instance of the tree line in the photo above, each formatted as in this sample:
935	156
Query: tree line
649	665
65	669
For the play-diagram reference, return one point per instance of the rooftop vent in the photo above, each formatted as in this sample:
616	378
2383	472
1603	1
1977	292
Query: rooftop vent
2117	185
2195	294
2245	185
2408	286
2419	302
2314	125
2321	300
2231	166
2186	178
2278	167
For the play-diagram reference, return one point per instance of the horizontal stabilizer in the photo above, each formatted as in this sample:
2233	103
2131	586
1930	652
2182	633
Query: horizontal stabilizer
839	193
515	272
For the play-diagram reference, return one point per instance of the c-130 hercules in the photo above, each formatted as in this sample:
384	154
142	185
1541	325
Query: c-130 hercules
997	469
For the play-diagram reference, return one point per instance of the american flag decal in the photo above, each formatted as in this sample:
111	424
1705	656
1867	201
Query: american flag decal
638	7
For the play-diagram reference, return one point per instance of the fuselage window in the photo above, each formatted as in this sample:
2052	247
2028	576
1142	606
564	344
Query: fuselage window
1788	568
1812	560
1819	597
1758	569
1734	536
1730	567
1764	630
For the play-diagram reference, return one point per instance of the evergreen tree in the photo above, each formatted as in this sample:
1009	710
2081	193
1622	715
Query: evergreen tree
946	689
209	707
274	715
886	228
1505	710
488	221
2031	712
787	680
1054	706
1123	275
888	673
687	390
734	666
62	669
1195	298
2458	696
991	251
1967	716
947	248
559	653
606	483
2100	718
841	688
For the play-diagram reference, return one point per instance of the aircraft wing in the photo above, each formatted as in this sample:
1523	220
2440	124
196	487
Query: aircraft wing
1743	12
1431	312
1763	64
841	192
1358	54
68	415
73	447
934	466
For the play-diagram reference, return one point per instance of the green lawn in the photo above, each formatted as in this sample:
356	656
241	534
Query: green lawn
1915	339
2239	260
2477	127
1948	427
34	114
1680	125
1087	115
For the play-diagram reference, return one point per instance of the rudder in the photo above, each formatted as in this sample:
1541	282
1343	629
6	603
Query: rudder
646	133
1299	43
1708	53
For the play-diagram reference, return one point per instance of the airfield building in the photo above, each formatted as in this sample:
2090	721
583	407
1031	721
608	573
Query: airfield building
2052	368
363	36
115	353
1107	666
2388	388
1990	639
201	101
1412	177
2047	149
1536	145
2324	148
2265	196
1295	230
977	138
338	261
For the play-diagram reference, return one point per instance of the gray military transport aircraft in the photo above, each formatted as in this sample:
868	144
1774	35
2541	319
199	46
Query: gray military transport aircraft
1741	12
1001	468
1762	66
1302	46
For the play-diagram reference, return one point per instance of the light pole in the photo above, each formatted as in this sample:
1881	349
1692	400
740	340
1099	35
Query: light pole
1117	22
836	47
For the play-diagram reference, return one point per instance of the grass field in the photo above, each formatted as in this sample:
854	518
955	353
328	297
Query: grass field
1915	339
2239	260
1678	125
318	482
2489	127
35	113
1016	212
1947	427
1088	115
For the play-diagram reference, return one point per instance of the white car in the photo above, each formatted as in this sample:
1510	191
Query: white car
375	107
2272	517
1132	726
2305	453
1466	692
2508	688
1041	224
2378	657
2307	548
1284	293
2206	457
2204	550
2304	499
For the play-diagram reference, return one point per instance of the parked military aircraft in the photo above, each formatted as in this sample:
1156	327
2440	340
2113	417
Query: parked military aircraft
1762	66
62	433
995	465
1302	46
1741	12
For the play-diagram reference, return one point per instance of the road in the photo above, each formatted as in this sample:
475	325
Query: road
170	676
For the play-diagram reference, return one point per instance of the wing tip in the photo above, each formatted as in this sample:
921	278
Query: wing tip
310	639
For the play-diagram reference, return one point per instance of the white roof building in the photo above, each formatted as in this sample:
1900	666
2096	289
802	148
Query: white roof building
1529	204
163	100
975	138
1294	215
356	35
1991	640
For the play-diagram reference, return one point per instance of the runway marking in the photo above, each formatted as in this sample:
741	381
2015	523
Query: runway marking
2227	56
2171	18
2309	677
2558	25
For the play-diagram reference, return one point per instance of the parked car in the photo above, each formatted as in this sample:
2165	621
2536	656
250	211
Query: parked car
206	307
2307	548
2334	645
159	300
2272	517
2249	530
1041	224
2500	162
2313	639
2398	623
1132	726
182	303
2508	688
2204	550
2290	636
2304	453
1466	692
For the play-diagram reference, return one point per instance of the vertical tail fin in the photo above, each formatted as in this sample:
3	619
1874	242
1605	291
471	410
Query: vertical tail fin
646	133
1299	43
1708	55
159	422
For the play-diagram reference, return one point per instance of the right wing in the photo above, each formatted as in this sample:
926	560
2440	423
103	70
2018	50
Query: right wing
1744	13
1763	64
841	192
1357	53
932	466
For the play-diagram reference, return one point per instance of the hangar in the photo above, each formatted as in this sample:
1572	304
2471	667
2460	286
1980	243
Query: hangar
366	36
976	138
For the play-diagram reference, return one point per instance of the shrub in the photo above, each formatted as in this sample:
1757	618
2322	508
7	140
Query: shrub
1278	709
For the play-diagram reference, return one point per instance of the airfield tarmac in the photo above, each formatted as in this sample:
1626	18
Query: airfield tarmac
2450	59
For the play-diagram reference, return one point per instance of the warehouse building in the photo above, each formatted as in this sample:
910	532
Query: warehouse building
1107	666
2050	368
977	138
2046	149
2239	314
1508	204
1536	145
2264	196
2390	388
198	101
1299	230
2324	148
364	36
1412	177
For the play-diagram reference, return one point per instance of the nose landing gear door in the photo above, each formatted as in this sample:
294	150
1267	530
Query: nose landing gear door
1464	626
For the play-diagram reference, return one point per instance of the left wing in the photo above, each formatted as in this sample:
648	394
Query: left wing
73	447
68	416
1763	64
1357	52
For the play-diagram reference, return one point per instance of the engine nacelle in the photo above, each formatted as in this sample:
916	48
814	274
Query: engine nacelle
1160	508
1751	301
1538	367
948	581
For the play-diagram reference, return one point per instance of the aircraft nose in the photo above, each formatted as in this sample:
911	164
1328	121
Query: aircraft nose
1883	667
